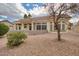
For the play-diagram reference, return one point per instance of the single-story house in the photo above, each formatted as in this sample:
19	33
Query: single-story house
44	23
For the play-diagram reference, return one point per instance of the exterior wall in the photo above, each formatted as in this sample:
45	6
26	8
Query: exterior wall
50	26
14	27
22	26
76	28
32	26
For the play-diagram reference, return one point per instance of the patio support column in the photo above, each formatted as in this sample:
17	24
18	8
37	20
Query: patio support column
61	25
35	27
17	27
48	26
27	26
52	26
65	27
22	26
14	27
32	26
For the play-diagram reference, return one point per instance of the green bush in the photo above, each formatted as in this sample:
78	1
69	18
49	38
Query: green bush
3	29
15	38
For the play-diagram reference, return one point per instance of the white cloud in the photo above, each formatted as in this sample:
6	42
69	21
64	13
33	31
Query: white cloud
35	5
38	11
21	9
27	4
16	10
13	10
73	20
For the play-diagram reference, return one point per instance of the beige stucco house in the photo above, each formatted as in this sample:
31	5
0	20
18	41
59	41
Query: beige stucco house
44	23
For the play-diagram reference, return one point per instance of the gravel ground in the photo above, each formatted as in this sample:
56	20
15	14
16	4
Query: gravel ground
44	45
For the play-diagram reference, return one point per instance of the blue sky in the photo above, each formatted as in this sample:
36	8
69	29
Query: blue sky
15	11
29	6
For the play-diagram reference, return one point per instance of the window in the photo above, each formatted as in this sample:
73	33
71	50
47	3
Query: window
16	27
30	27
55	27
34	26
38	27
25	25
63	21
19	26
59	25
63	27
41	26
51	26
44	27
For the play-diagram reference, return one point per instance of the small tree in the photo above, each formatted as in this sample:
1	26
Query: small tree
3	29
25	16
56	10
29	15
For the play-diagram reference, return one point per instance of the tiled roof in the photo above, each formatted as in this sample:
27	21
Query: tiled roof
39	19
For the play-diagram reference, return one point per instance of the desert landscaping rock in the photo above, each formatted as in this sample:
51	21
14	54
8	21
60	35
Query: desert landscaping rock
44	45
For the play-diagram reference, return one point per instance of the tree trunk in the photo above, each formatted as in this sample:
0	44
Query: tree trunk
59	35
58	32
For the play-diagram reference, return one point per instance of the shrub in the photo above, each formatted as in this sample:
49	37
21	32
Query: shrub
15	38
3	29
